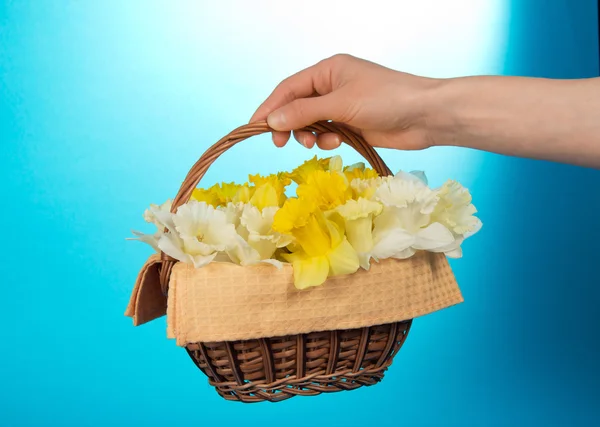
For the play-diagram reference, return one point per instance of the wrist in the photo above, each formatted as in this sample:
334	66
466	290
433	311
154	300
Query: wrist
442	111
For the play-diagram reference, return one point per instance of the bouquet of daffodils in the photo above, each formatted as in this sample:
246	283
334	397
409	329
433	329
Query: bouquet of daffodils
342	219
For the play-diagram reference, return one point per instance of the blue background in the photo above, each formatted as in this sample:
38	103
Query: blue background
100	116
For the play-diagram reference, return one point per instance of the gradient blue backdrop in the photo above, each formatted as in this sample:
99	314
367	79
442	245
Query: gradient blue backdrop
90	135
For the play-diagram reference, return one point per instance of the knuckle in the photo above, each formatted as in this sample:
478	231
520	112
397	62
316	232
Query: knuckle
339	58
299	108
285	88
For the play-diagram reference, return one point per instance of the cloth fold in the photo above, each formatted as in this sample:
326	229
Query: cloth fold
147	301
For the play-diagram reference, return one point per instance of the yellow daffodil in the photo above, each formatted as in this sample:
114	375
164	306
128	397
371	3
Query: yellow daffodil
243	194
326	189
358	221
359	173
295	213
279	179
221	194
226	192
322	248
265	196
277	182
300	174
206	195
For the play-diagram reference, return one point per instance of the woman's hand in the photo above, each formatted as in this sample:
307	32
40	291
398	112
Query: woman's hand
388	108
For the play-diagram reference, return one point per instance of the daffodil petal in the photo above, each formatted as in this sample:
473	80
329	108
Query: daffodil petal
391	242
343	259
256	221
264	196
192	246
233	212
455	253
313	238
220	235
451	247
387	220
364	260
360	234
242	253
476	227
165	219
336	164
433	236
283	240
172	245
263	245
149	239
310	272
273	262
406	253
202	260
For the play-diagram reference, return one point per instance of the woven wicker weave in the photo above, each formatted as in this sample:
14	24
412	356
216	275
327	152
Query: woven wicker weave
277	368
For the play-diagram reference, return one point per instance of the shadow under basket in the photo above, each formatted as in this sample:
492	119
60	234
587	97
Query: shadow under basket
275	369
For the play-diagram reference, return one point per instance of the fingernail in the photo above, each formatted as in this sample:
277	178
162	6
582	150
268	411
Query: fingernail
276	120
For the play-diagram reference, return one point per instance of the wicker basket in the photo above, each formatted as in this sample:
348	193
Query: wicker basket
277	368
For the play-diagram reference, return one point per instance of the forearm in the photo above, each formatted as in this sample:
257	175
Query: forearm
555	120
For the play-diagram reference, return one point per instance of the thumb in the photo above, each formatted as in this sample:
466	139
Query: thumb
303	112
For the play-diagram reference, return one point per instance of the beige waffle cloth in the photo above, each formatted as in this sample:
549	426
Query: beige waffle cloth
226	302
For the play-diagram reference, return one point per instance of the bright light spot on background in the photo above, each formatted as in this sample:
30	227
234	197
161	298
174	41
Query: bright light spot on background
223	58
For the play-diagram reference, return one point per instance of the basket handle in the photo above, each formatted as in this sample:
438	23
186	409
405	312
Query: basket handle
200	168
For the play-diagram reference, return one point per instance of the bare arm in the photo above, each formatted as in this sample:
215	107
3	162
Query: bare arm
547	119
555	120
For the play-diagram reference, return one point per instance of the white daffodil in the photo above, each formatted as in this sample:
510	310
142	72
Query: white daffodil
400	232
358	222
260	225
244	254
149	239
198	232
405	188
366	188
233	212
455	211
257	242
155	214
405	225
